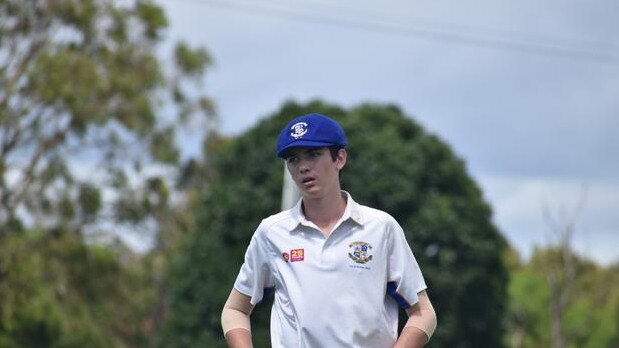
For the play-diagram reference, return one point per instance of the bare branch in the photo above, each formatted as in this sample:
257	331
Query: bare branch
561	273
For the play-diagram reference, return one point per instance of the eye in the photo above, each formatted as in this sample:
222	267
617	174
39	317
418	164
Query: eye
315	153
292	159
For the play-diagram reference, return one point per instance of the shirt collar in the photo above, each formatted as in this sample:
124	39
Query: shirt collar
352	212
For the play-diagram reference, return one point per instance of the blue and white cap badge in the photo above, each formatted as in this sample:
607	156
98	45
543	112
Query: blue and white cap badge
298	129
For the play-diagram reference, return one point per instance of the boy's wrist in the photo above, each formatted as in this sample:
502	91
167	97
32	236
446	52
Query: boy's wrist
239	338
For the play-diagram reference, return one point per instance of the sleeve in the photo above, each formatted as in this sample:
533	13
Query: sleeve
255	275
405	279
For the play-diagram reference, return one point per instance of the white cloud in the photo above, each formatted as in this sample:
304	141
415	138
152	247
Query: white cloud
519	204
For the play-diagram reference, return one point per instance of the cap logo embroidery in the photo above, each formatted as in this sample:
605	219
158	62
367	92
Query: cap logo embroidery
298	129
360	252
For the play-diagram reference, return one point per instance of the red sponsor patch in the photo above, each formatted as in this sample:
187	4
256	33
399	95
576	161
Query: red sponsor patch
297	255
286	256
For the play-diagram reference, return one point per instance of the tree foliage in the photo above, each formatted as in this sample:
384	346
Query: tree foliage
83	88
393	165
58	292
591	316
90	114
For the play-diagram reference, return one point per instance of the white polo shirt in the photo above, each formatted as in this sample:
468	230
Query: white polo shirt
339	291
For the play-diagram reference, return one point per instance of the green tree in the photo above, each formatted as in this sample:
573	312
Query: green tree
90	113
561	299
590	317
83	88
393	165
57	291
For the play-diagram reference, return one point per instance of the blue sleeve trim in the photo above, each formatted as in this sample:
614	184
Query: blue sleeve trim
267	292
391	291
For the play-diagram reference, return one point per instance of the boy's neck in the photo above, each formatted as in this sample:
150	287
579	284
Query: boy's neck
326	211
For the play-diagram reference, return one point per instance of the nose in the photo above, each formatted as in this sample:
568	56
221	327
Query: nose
304	165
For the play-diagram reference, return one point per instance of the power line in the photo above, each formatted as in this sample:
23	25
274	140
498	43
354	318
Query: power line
391	18
458	34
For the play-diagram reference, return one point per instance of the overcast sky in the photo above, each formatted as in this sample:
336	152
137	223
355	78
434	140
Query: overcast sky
526	92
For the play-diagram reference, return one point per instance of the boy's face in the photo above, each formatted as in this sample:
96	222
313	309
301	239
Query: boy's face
314	170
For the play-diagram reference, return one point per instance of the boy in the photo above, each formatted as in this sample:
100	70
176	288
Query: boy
339	269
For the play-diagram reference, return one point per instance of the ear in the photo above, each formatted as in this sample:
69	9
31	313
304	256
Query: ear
340	160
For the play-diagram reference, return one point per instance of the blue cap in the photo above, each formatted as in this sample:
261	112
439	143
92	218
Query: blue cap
311	130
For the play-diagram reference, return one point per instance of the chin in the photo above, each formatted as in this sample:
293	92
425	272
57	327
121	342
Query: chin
311	192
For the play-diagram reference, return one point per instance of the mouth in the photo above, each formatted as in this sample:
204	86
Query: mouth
308	181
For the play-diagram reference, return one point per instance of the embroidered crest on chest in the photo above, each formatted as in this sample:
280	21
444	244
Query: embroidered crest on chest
360	252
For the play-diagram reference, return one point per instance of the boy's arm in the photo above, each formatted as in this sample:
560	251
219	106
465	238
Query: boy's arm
235	320
420	325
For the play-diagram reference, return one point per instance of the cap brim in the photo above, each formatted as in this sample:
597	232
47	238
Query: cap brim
302	143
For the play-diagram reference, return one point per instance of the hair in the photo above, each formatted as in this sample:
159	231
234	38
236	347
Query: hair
334	150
